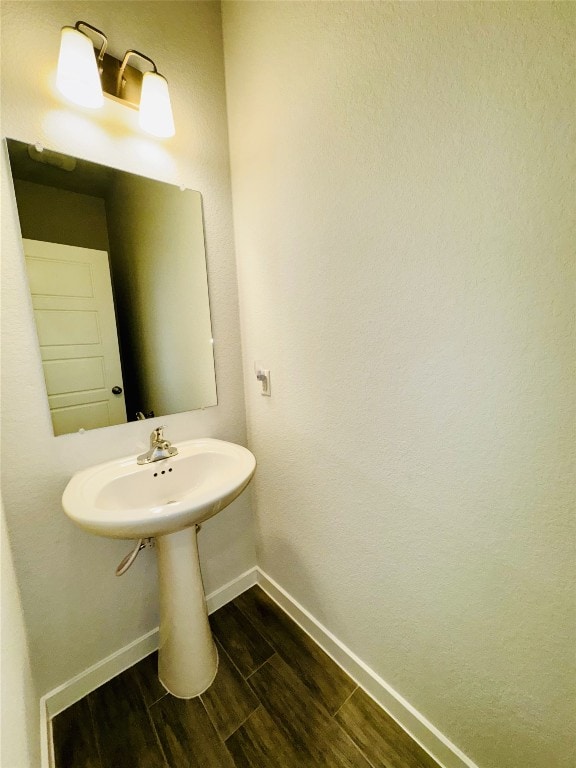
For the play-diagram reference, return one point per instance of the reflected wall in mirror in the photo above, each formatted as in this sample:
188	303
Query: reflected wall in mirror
117	272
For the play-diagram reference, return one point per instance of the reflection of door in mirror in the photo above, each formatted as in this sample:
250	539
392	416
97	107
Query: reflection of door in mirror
74	310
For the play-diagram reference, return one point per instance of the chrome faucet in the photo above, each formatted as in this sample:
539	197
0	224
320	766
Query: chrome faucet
160	448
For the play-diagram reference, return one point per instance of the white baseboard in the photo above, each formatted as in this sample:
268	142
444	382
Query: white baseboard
229	591
422	731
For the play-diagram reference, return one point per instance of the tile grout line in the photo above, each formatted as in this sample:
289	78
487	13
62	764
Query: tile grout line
348	735
221	649
140	688
356	746
267	640
158	740
255	630
216	640
259	667
345	700
226	747
260	706
157	700
216	731
151	719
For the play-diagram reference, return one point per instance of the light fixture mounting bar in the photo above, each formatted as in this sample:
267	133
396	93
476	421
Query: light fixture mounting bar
120	81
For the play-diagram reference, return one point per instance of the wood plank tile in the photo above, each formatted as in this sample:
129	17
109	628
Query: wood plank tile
258	743
123	729
380	737
315	736
324	679
187	736
146	675
74	739
240	639
229	700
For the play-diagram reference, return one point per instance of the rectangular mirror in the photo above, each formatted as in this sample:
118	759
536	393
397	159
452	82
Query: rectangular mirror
116	266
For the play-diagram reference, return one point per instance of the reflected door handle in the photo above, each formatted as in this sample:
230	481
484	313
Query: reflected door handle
116	390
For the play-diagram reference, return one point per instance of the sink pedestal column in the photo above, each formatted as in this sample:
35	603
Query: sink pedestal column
187	656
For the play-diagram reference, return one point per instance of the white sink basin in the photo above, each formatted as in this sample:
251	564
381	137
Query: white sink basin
123	499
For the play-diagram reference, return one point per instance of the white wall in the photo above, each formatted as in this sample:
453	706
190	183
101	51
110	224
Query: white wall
403	185
76	610
19	710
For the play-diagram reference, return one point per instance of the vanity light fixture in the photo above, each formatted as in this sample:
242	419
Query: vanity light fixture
85	74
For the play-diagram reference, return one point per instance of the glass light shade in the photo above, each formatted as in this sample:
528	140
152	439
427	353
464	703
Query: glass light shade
77	76
155	108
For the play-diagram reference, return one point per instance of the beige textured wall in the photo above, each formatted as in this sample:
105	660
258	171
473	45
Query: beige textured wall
76	610
19	710
403	185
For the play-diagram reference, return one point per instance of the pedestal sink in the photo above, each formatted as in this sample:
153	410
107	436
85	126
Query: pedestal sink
167	499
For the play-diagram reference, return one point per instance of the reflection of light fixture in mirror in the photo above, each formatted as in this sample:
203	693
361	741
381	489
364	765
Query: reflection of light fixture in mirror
84	75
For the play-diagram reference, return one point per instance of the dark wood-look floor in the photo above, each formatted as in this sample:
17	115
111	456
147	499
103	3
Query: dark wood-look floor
278	701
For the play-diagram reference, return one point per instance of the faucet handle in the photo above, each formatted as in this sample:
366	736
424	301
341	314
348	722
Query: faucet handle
157	435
